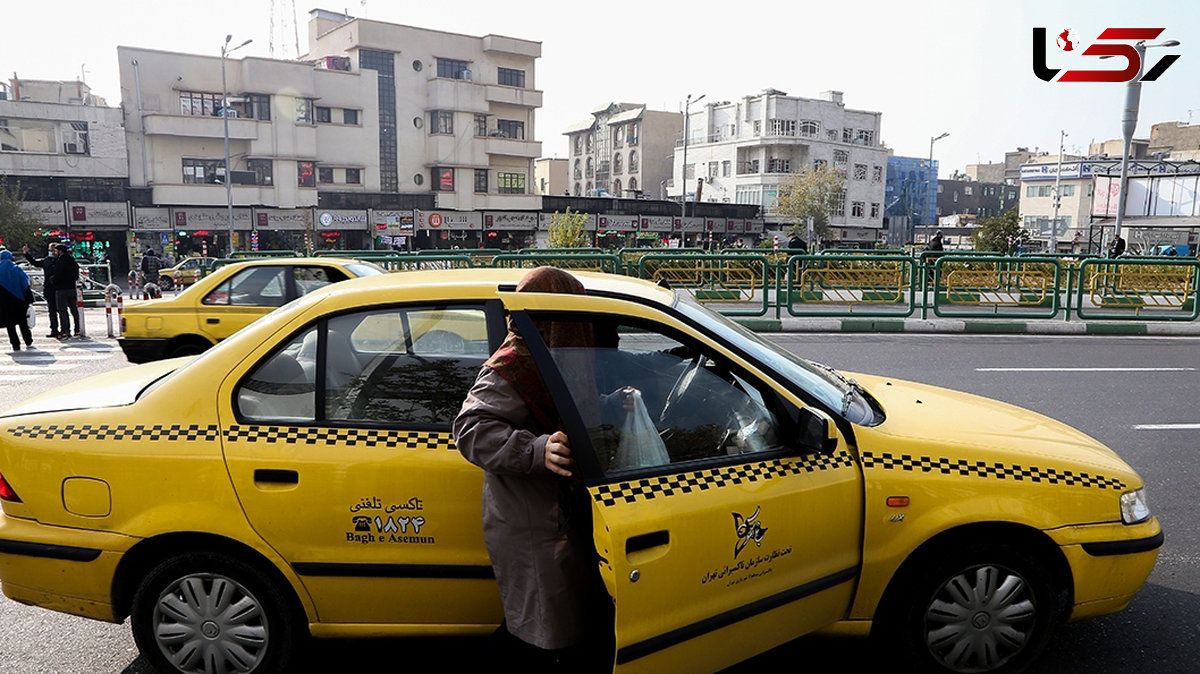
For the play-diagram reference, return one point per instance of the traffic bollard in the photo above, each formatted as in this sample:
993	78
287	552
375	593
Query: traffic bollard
79	308
109	292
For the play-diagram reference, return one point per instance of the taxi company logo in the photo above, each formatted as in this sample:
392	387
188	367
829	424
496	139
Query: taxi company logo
747	529
435	219
1116	45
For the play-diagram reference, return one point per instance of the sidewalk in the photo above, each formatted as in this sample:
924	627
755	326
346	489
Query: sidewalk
985	326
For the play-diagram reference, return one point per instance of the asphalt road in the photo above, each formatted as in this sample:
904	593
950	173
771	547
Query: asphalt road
1110	387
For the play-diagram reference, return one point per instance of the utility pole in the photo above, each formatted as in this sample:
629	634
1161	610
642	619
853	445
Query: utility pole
1057	195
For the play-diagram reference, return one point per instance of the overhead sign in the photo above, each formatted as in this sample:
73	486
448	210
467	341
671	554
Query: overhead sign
449	220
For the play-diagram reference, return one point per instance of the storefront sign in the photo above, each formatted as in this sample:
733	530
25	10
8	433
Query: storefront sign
510	221
716	225
447	220
99	213
342	219
544	220
694	224
657	223
285	218
393	222
618	223
210	218
50	213
755	226
152	219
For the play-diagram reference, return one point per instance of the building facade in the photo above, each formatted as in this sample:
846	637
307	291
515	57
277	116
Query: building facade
910	197
551	176
744	150
622	151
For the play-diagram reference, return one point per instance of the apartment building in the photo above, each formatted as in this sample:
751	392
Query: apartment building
65	149
377	121
744	150
623	150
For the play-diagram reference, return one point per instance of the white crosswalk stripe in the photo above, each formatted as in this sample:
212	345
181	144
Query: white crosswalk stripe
50	357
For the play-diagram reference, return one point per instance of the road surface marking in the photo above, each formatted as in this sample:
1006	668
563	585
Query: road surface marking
1085	369
1167	427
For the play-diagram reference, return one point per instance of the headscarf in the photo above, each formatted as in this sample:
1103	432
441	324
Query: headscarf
12	278
514	363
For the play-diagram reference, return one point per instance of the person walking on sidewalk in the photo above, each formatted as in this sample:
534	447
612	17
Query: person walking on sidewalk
66	275
15	298
46	264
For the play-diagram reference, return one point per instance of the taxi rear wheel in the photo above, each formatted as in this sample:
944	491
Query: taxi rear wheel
983	608
187	347
207	612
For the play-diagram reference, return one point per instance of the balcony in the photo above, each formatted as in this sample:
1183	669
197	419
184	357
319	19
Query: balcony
200	127
214	195
529	98
529	149
448	94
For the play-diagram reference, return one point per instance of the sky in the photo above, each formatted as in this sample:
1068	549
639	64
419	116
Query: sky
962	67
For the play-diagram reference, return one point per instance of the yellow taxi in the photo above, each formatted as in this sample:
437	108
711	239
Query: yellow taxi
300	479
184	273
226	301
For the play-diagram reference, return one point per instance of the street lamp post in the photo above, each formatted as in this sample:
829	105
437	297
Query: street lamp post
225	50
932	183
1057	195
683	167
1133	96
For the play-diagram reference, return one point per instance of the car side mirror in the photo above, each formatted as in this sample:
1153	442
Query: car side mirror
817	431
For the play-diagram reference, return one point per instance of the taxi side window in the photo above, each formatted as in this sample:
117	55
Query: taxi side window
697	405
309	279
257	286
409	366
280	388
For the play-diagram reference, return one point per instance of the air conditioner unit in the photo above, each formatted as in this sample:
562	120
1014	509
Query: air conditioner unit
465	74
71	148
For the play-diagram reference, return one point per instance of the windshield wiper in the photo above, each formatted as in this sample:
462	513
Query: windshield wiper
852	388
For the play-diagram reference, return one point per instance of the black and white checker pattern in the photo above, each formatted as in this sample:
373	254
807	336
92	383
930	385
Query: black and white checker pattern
349	437
120	432
685	483
988	469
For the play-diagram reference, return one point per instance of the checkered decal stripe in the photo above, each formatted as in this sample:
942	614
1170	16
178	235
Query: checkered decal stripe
276	434
122	432
701	480
996	470
293	435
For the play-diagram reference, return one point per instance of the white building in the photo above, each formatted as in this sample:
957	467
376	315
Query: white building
744	150
375	112
622	151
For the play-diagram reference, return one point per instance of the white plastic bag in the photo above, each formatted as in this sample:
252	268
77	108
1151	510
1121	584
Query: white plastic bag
31	317
640	446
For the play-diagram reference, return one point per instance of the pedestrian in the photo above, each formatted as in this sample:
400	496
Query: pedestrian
150	265
536	515
66	275
15	299
46	264
1117	247
796	243
935	243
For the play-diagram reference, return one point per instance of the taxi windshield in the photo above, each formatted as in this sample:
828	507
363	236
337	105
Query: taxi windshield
826	384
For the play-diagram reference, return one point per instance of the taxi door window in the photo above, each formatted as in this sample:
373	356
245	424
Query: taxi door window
309	279
257	286
410	366
282	387
699	406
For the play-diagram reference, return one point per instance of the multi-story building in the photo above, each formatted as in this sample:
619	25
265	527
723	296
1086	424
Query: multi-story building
66	152
959	195
622	151
1074	184
911	197
376	116
744	150
1179	140
551	175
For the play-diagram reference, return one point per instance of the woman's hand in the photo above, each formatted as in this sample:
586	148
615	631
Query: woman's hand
558	454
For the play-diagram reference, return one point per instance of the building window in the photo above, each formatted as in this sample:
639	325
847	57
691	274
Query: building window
616	188
633	184
967	190
847	135
757	127
304	111
262	169
203	171
1067	190
618	135
481	181
441	122
876	174
255	106
941	188
831	134
306	174
578	144
443	179
858	209
590	169
1039	190
480	125
633	161
840	159
510	128
809	128
819	164
199	104
454	69
353	176
635	134
578	172
689	172
589	142
839	206
510	77
323	115
749	166
618	164
725	168
510	183
578	190
864	137
860	171
350	117
783	127
955	194
324	174
874	210
777	165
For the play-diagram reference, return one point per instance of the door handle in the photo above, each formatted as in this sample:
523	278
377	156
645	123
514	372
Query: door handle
653	539
212	321
276	476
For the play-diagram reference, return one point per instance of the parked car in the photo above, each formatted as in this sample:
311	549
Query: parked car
303	471
225	301
184	273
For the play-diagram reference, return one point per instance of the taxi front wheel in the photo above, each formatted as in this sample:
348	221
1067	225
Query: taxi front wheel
983	608
206	612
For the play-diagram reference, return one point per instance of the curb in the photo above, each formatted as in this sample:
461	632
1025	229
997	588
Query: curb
974	327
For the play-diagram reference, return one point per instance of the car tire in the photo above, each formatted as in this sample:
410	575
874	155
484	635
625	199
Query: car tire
976	608
188	347
165	283
207	612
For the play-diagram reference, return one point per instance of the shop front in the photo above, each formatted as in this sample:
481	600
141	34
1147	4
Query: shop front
99	231
393	229
510	231
449	230
282	229
205	231
617	231
341	229
151	229
52	218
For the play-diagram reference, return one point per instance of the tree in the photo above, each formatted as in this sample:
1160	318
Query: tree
1002	233
17	226
815	194
567	230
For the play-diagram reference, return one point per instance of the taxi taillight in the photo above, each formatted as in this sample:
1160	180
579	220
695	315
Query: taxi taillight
6	491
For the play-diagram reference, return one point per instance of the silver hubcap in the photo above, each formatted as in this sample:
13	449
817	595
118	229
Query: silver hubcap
980	619
210	624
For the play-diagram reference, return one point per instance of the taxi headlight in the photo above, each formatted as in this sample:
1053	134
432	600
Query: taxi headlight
1134	508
